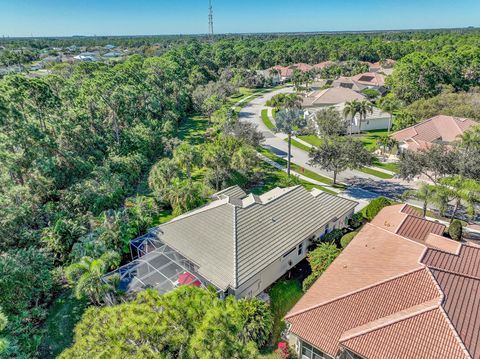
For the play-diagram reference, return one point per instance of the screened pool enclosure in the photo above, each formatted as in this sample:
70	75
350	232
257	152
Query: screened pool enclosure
155	265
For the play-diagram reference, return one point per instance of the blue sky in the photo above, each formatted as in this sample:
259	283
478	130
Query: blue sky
138	17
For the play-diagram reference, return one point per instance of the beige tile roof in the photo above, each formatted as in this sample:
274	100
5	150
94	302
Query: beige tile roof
437	129
390	296
331	96
233	238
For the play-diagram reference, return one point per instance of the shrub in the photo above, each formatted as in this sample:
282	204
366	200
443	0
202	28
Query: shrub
375	206
347	238
456	230
356	221
333	237
319	260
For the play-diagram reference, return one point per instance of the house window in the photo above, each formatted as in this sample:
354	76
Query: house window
309	352
300	249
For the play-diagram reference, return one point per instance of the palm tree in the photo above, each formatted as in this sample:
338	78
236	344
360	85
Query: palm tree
292	100
184	197
426	194
87	274
364	107
288	121
385	143
462	191
350	111
187	157
390	105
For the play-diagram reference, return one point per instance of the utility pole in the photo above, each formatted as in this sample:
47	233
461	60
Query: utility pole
210	20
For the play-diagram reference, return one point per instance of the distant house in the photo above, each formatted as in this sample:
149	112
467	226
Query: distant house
360	82
238	243
302	67
398	290
283	73
109	47
323	65
348	83
329	97
436	130
87	56
113	54
370	79
375	120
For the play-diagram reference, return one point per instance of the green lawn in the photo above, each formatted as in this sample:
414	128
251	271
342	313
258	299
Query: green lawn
313	140
375	173
299	145
266	120
63	315
296	168
394	167
369	138
283	295
273	178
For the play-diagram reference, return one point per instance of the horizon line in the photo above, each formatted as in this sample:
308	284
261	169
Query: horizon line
320	32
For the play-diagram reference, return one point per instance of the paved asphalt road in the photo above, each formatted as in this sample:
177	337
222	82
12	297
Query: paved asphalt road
361	185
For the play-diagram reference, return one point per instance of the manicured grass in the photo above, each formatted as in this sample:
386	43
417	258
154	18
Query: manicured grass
375	173
273	178
297	168
313	140
62	317
390	166
193	129
283	295
369	138
299	145
266	120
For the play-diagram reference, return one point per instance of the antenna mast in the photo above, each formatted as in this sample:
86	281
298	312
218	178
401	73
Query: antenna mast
210	19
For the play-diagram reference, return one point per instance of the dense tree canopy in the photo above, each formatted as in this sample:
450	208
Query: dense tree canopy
186	323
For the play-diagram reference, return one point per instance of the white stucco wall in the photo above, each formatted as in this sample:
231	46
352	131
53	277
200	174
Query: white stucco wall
270	274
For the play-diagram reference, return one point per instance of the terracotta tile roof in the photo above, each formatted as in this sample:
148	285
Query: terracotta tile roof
418	229
375	255
427	335
399	290
370	78
440	128
284	71
302	67
467	263
462	306
412	211
323	64
357	310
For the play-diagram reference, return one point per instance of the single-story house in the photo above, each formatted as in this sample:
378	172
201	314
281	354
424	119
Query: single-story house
376	120
323	65
302	67
440	129
398	290
329	97
348	83
370	79
238	243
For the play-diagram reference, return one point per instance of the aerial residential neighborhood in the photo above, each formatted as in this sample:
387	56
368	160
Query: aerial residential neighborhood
203	180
